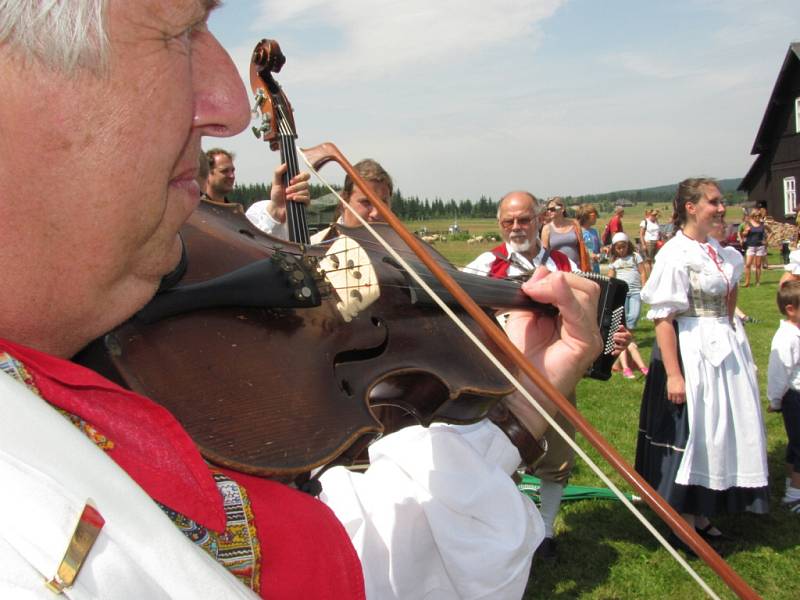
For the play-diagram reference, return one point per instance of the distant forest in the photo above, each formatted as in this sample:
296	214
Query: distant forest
411	208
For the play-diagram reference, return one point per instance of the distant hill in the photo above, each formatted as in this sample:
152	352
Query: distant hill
652	195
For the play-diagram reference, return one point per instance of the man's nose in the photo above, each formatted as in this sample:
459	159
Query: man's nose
221	102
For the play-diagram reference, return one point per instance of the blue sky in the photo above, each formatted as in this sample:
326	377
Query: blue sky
459	98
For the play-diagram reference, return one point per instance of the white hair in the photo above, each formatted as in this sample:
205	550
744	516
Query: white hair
61	34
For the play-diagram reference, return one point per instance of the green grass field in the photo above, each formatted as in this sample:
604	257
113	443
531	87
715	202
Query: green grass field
604	552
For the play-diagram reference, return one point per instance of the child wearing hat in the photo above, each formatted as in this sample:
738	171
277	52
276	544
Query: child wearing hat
628	266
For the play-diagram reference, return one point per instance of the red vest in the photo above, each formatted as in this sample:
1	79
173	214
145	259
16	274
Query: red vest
499	268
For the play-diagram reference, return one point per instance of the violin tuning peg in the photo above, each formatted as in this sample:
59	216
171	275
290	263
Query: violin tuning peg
304	293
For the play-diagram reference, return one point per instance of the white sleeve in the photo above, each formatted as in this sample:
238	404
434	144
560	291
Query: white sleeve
260	217
667	288
734	257
437	515
781	363
481	265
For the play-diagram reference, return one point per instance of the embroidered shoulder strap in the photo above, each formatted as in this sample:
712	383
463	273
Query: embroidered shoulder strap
237	548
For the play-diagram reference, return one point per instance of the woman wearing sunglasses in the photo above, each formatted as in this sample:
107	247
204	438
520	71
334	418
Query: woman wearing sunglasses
564	234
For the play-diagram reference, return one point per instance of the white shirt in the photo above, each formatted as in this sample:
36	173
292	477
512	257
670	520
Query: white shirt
784	363
793	266
49	468
520	265
436	515
651	230
627	269
259	216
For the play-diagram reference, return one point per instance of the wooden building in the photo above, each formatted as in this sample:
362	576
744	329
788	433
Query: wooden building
772	179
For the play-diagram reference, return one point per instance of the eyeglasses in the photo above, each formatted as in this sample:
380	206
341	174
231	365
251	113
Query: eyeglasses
554	208
523	221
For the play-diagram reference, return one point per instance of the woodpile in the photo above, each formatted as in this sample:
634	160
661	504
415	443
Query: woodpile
780	232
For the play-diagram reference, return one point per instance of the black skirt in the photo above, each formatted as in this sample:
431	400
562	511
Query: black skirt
663	432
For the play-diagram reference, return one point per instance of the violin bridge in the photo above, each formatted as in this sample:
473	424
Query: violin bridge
349	272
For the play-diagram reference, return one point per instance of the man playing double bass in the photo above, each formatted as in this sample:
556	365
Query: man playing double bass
165	523
270	215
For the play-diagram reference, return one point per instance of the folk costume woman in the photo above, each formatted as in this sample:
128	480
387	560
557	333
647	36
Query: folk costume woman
701	434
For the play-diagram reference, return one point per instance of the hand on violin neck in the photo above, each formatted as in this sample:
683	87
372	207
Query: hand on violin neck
562	347
297	191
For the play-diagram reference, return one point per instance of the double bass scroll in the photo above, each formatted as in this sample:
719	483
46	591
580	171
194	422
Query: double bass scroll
277	125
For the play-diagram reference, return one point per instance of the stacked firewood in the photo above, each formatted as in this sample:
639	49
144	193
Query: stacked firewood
780	232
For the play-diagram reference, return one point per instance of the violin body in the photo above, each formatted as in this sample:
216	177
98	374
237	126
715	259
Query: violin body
286	385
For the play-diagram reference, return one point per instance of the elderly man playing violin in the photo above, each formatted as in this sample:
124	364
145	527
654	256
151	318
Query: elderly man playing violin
520	254
83	79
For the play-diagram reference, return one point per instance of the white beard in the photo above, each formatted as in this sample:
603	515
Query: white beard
520	247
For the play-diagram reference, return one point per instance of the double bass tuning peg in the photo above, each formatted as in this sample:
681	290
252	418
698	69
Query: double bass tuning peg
266	118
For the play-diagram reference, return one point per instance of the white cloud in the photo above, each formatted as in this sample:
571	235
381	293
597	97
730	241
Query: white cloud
648	66
459	99
375	38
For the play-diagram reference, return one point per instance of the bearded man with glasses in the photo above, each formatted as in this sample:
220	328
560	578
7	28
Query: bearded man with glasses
517	257
521	251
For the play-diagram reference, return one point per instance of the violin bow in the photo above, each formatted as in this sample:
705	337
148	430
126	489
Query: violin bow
317	157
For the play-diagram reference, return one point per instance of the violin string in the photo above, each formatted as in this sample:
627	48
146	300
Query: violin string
482	284
521	389
414	260
402	252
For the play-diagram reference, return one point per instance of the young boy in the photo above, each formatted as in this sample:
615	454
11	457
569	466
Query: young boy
783	385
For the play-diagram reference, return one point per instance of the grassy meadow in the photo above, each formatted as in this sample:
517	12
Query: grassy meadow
604	552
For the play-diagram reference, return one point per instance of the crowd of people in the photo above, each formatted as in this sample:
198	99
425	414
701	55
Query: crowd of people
437	512
702	439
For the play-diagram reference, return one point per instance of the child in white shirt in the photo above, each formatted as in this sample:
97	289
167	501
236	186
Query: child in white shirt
783	385
628	266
